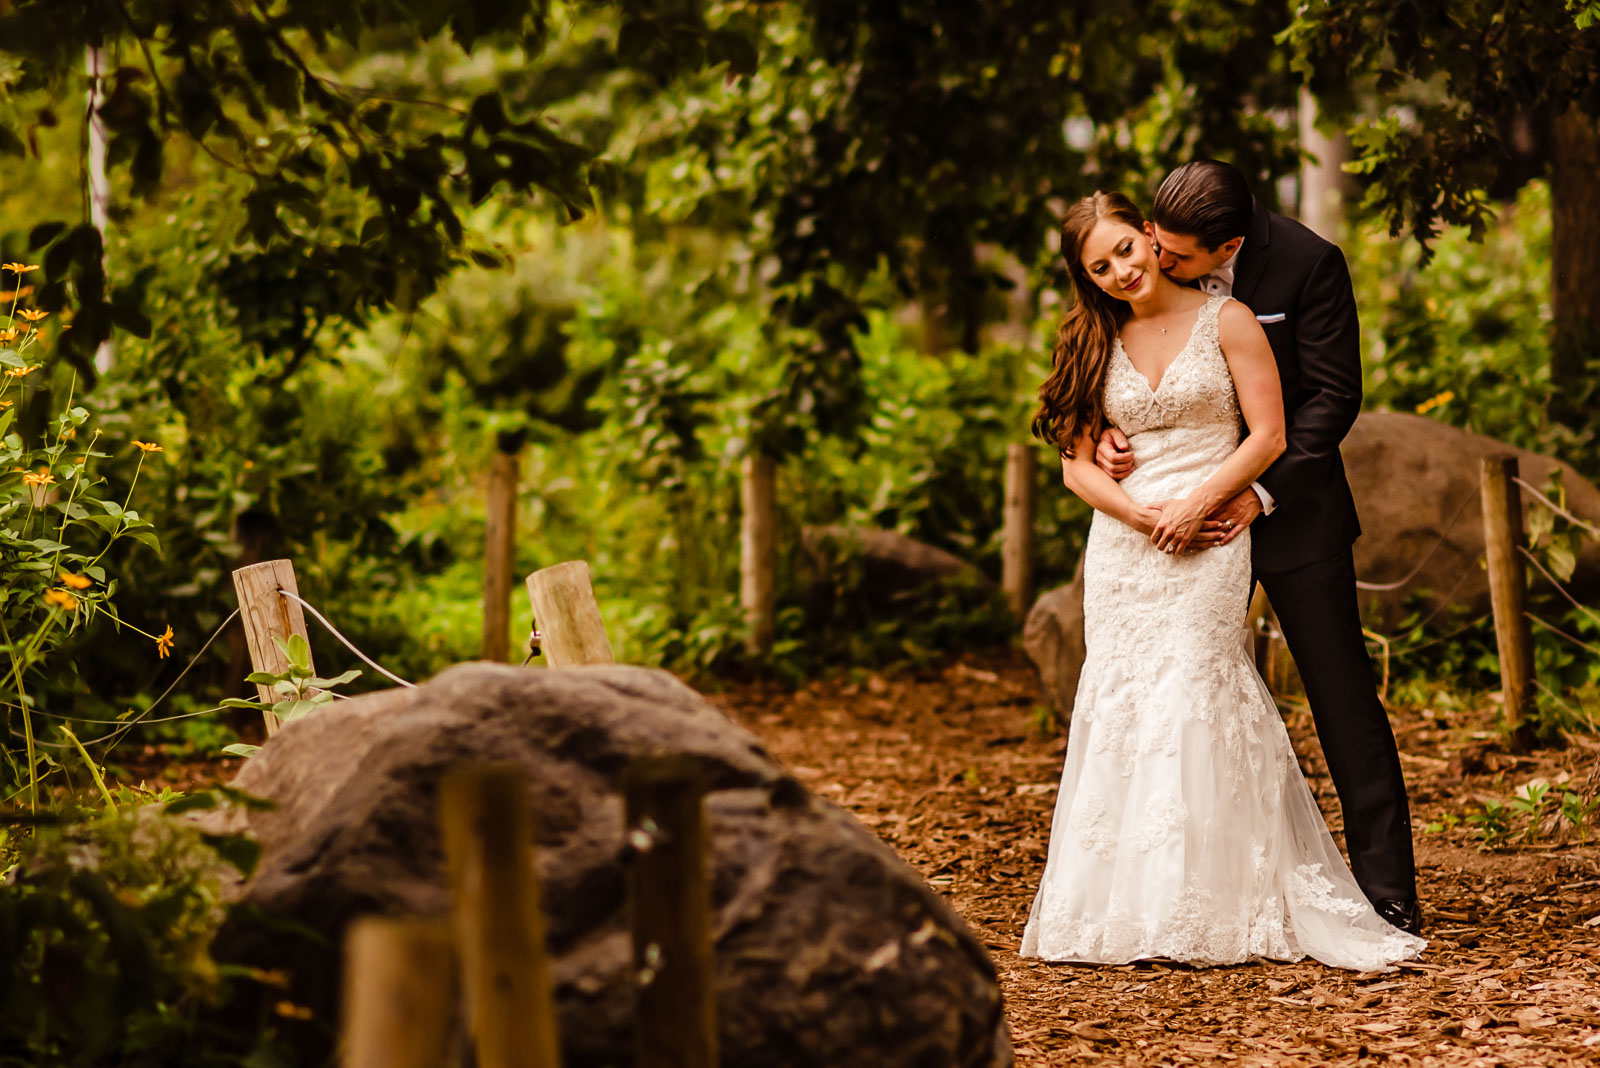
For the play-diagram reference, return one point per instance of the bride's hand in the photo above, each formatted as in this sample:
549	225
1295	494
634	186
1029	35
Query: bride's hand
1178	524
1145	518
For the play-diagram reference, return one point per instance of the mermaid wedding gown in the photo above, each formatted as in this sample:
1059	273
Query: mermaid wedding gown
1183	828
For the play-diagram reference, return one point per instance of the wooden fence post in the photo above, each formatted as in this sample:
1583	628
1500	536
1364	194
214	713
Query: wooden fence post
571	631
265	616
499	558
757	523
1508	587
400	994
1016	542
487	827
669	895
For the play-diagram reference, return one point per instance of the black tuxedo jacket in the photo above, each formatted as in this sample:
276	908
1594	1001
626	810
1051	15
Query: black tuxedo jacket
1298	286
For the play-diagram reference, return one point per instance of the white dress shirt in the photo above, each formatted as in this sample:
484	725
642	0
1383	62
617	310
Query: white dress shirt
1219	283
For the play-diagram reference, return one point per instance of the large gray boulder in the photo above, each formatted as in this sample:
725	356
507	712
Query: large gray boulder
1416	486
830	950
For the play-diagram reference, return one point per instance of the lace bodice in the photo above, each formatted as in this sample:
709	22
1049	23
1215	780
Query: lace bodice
1188	424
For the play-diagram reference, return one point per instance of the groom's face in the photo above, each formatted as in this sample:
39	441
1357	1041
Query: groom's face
1183	258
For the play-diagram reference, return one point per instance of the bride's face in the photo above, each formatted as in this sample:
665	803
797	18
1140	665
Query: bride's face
1120	260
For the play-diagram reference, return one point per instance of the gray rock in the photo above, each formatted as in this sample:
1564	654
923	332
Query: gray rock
892	563
1416	487
830	950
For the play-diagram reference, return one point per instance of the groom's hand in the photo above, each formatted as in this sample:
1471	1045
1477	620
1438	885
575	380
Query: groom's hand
1230	520
1113	455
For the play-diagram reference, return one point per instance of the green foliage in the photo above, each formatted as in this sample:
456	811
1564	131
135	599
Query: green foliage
106	927
1529	803
300	691
1459	69
1493	822
58	522
1465	337
1579	812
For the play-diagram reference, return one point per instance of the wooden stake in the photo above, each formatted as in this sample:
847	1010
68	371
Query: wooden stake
756	551
1508	586
487	826
499	558
571	631
265	616
399	994
669	894
1016	546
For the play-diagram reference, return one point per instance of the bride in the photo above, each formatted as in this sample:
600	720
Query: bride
1183	829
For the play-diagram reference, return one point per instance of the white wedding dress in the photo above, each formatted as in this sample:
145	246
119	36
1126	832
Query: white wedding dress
1184	829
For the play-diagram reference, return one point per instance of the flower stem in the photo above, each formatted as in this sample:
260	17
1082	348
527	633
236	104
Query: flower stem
93	770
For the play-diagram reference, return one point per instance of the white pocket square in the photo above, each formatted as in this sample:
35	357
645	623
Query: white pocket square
1275	317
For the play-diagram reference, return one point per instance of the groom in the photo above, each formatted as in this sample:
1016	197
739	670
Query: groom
1211	232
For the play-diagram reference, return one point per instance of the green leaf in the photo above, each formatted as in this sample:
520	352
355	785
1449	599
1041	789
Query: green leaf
241	749
263	678
338	680
1563	561
297	709
145	537
191	803
240	850
240	702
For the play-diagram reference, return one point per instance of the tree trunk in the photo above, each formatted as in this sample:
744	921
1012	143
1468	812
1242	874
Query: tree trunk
1323	183
1575	259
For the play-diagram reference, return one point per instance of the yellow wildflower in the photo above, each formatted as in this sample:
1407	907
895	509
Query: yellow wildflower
18	372
41	479
1435	402
276	977
20	268
17	294
164	643
292	1011
33	315
8	335
77	582
61	599
147	446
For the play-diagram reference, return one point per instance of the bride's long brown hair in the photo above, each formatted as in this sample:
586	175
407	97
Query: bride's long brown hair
1072	399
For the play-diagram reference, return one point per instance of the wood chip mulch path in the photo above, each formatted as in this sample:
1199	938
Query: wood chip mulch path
955	771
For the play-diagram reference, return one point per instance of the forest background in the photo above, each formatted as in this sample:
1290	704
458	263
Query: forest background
353	250
349	250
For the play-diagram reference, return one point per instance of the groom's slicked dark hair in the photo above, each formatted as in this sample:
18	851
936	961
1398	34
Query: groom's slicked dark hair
1207	200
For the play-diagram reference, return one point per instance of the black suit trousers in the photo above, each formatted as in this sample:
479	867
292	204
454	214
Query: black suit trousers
1316	608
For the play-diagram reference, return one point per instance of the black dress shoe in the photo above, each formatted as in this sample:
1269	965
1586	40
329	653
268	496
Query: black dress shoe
1406	915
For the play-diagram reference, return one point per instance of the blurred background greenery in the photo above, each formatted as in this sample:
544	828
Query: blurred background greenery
351	254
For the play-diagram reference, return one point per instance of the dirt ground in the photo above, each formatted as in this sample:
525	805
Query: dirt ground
956	772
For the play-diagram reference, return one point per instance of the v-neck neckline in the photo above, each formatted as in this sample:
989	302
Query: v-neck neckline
1188	343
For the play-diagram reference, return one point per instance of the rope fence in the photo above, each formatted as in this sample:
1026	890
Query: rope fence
1500	490
1449	528
1557	509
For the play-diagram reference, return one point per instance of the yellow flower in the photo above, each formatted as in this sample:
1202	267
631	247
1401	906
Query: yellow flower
77	582
18	372
33	315
61	599
1435	402
20	268
17	294
292	1011
41	479
147	446
164	643
8	335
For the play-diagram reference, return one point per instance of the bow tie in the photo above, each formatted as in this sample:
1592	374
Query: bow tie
1217	279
